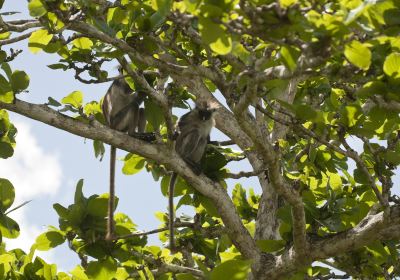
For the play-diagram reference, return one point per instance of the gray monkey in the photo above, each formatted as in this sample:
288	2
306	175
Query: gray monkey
121	112
194	130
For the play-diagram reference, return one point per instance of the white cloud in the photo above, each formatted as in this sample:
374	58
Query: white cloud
34	173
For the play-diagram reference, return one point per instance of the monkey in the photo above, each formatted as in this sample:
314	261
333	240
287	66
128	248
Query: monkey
194	130
121	112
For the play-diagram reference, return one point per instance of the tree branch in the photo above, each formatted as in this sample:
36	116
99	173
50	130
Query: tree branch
167	267
371	228
160	153
15	39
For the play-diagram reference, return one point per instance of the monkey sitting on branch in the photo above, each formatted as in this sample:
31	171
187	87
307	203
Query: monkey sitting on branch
122	112
194	130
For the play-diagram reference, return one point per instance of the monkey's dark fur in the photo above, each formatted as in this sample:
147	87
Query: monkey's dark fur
193	135
121	112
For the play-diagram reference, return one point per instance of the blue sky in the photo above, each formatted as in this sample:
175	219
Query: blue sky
48	162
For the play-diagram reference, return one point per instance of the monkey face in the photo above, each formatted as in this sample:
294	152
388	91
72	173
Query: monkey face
206	114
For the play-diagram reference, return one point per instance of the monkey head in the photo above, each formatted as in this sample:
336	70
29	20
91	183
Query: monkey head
206	110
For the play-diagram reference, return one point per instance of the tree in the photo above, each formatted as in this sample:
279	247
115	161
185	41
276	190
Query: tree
298	82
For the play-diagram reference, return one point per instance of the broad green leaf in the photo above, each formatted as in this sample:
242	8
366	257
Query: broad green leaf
102	269
99	149
36	8
335	181
61	210
287	3
358	54
391	66
8	227
83	43
58	66
6	93
215	36
153	114
52	102
270	246
7	194
133	164
39	40
305	112
19	80
74	99
98	205
5	35
79	273
289	56
231	270
121	274
6	149
48	240
350	115
393	157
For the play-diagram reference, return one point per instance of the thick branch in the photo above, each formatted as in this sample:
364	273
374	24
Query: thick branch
160	153
371	228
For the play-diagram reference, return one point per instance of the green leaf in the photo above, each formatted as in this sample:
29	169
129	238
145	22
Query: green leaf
52	102
391	66
358	54
6	149
6	93
36	8
7	194
83	43
153	114
335	181
19	80
39	40
48	240
305	112
290	56
133	164
121	274
215	35
98	205
270	246
8	227
102	269
79	273
58	66
79	197
99	149
231	270
74	99
287	3
61	210
392	157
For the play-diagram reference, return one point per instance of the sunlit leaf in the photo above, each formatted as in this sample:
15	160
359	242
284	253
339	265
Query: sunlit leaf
49	239
74	99
358	54
39	40
391	66
231	270
36	8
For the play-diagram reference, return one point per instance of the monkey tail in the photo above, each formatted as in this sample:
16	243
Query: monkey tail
171	212
111	198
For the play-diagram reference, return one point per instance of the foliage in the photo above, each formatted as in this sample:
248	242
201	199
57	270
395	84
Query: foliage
301	84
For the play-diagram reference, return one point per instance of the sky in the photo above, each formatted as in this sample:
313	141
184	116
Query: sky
49	162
